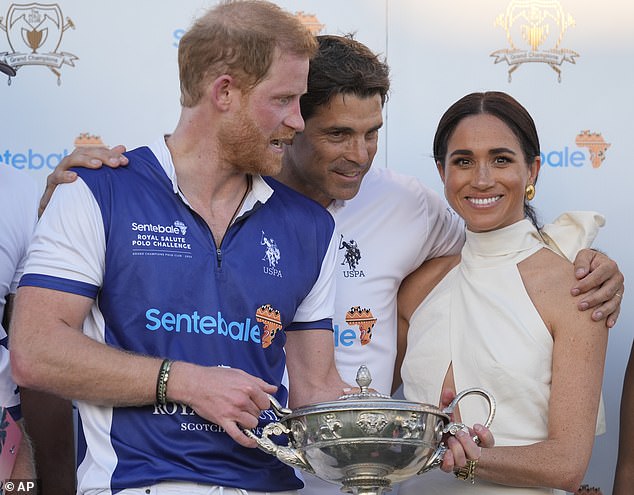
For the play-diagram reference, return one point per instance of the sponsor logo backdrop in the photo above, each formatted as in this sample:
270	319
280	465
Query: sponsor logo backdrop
105	72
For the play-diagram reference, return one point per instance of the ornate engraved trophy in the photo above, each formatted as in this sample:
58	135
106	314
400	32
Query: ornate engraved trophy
366	441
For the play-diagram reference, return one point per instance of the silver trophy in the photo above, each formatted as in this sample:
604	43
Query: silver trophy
365	441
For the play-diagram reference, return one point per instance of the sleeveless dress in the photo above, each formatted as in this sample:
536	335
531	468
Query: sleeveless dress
481	319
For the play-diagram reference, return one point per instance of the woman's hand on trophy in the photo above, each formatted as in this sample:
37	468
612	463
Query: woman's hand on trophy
465	446
463	451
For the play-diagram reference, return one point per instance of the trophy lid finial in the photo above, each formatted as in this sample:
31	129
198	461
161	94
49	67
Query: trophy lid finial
364	378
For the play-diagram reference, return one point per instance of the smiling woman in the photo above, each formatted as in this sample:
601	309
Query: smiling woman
503	318
507	129
486	174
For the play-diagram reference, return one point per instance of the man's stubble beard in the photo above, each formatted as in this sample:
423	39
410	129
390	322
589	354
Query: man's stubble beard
246	149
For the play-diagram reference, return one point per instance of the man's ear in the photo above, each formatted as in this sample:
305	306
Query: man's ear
222	92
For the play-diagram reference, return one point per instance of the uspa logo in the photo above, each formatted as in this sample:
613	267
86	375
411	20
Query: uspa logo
272	255
34	32
535	31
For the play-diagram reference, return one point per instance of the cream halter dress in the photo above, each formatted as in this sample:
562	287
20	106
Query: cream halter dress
481	319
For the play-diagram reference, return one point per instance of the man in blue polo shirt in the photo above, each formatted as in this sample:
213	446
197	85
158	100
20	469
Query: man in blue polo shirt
151	298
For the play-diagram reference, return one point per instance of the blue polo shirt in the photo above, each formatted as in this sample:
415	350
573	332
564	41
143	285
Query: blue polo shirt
162	287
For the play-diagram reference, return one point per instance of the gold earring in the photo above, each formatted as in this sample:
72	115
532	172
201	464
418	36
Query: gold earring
530	192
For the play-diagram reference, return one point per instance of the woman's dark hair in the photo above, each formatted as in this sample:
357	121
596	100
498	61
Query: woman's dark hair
500	105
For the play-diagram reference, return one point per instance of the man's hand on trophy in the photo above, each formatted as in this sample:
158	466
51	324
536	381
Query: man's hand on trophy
87	157
228	397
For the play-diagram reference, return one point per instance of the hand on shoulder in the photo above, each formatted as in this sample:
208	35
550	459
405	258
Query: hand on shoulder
88	157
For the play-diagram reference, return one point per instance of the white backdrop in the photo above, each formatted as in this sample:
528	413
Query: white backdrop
118	80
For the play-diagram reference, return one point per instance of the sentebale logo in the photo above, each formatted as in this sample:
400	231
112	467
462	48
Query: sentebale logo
204	324
178	228
595	144
592	150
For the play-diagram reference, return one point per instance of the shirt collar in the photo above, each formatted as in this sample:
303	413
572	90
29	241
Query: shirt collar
336	205
260	191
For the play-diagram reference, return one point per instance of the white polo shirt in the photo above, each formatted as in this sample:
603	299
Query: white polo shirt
385	232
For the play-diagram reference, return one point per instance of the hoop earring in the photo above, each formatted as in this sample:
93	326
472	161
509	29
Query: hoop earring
530	192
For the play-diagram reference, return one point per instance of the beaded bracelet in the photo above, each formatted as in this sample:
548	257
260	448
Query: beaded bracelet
161	382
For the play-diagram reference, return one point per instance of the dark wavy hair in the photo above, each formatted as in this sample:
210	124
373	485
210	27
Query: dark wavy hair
343	65
500	105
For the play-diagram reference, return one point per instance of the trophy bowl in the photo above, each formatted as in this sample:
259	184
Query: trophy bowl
365	441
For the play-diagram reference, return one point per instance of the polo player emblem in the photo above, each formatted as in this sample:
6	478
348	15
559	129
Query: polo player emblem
352	254
272	254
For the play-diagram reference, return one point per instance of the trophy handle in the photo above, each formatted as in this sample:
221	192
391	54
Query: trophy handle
453	428
285	453
277	408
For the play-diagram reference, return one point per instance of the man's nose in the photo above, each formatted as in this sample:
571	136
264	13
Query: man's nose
358	151
295	120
